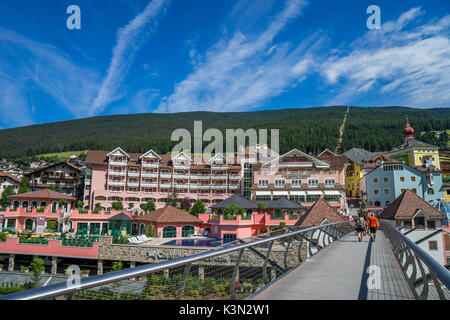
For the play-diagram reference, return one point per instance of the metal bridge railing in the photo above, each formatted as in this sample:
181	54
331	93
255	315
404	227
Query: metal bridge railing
427	279
234	271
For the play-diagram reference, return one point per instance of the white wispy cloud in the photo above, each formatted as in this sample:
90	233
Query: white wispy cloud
243	71
410	67
30	63
129	39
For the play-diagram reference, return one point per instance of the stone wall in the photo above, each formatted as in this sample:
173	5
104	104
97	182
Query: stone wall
157	253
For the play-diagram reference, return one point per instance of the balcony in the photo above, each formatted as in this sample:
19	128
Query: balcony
117	173
149	174
117	163
234	186
219	186
219	176
165	175
149	184
181	185
133	184
150	165
180	176
234	176
133	174
116	183
219	167
165	185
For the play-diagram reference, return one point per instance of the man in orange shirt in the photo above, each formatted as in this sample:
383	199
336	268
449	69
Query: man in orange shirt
373	224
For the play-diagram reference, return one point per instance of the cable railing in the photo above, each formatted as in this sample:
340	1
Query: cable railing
233	271
427	279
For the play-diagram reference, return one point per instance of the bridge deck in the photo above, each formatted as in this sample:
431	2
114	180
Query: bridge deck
338	272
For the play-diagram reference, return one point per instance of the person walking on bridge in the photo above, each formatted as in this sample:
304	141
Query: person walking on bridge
373	224
359	227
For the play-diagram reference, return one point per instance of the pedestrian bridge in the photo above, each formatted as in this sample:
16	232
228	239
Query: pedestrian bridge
305	263
340	273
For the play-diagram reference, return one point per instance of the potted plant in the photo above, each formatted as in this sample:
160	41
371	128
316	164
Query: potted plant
84	273
24	269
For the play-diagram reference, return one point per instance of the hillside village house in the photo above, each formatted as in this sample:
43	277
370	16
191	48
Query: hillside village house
7	180
414	152
388	179
420	222
63	176
302	178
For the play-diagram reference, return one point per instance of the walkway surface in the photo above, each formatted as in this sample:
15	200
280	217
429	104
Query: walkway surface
338	273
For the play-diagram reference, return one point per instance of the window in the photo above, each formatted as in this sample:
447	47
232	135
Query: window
375	191
386	191
419	222
263	183
431	224
387	203
432	245
386	179
296	183
297	198
262	198
279	183
402	179
447	191
375	180
330	183
430	191
312	198
313	183
402	189
413	179
331	198
414	190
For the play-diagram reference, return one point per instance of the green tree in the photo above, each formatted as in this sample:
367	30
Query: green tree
149	206
36	267
198	207
4	200
117	205
150	231
173	198
23	186
52	224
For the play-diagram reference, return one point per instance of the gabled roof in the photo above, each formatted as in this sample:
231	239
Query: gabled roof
182	154
238	201
54	165
359	156
10	176
169	214
120	150
319	211
45	194
150	152
327	152
120	216
218	155
317	162
406	206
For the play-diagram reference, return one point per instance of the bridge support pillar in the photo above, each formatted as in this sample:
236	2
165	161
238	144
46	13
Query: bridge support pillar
201	273
54	265
133	265
11	262
99	266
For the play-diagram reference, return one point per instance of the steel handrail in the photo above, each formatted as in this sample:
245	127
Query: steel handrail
60	289
442	274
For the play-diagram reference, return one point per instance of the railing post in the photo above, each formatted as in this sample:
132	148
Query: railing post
266	277
187	268
286	267
233	277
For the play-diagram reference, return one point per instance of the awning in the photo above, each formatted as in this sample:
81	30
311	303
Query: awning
314	193
332	192
263	193
280	193
298	193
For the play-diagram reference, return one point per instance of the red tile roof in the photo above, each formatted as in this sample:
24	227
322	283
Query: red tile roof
54	165
406	206
319	211
46	194
169	214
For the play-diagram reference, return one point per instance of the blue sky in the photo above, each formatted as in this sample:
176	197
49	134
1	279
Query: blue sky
136	56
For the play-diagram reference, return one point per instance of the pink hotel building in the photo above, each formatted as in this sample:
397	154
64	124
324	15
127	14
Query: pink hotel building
137	178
